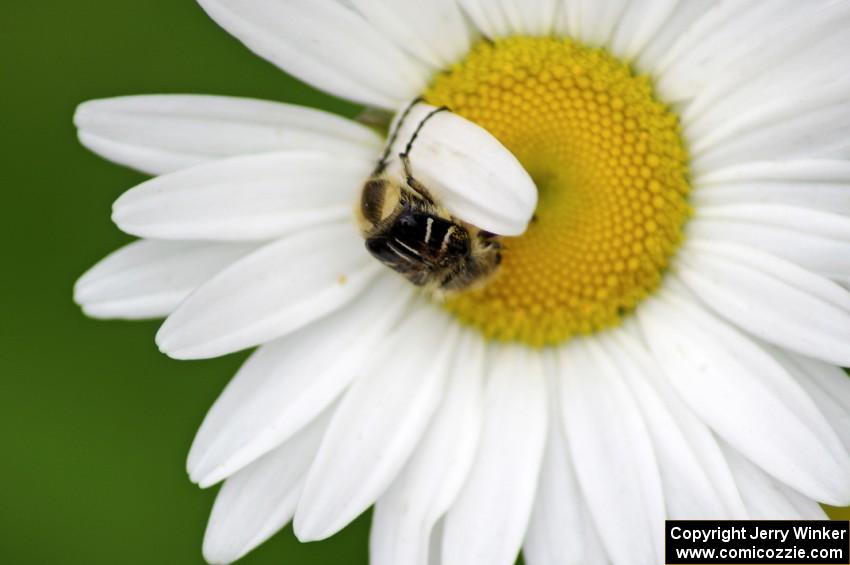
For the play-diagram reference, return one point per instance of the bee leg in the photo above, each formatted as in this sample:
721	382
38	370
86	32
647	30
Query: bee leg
414	184
405	157
382	163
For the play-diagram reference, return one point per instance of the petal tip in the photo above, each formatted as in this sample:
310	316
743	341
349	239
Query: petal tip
171	340
119	215
305	527
97	311
82	112
168	343
194	469
81	290
207	481
218	551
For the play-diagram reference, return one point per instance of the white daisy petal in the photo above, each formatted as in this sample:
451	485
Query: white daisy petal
258	299
254	197
802	54
713	132
746	396
406	514
377	425
771	298
828	385
435	545
286	383
259	500
569	21
561	530
822	185
326	44
700	438
148	278
696	481
561	21
434	32
593	21
512	13
532	17
486	524
159	134
817	241
610	445
768	499
803	170
152	161
778	129
469	171
639	22
686	14
489	17
695	60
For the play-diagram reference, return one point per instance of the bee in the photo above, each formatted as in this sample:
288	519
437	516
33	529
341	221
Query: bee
409	231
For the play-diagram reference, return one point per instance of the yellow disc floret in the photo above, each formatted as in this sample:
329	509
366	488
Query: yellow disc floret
611	171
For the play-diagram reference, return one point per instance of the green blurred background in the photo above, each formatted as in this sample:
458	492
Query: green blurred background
95	424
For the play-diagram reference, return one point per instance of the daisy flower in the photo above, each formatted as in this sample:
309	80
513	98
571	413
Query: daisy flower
670	183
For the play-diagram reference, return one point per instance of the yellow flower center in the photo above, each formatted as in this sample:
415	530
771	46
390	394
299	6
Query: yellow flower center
611	170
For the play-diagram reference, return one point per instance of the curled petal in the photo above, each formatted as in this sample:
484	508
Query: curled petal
467	169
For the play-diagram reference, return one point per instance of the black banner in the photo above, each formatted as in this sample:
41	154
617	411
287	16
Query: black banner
757	542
